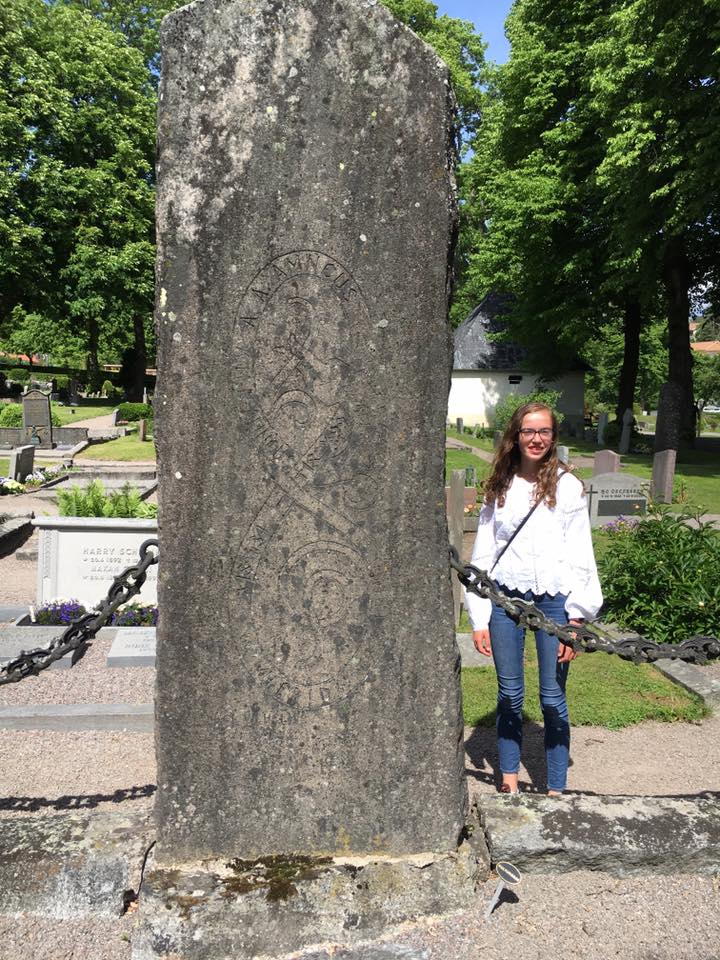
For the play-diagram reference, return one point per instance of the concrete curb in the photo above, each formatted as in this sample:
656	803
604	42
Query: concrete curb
692	678
138	718
617	835
72	865
14	532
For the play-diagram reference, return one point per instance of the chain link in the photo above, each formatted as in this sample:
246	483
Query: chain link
583	637
77	636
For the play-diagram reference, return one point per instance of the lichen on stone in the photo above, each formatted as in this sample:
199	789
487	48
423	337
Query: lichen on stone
275	875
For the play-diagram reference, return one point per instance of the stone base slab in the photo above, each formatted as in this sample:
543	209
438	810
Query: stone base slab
271	907
617	835
72	865
135	717
692	678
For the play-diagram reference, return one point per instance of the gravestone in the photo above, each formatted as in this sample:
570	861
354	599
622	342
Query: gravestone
563	453
21	462
625	436
606	461
305	210
663	475
613	495
37	422
132	647
601	427
80	557
459	424
667	427
16	640
142	429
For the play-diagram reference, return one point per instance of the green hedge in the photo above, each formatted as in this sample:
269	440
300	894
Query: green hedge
11	416
132	412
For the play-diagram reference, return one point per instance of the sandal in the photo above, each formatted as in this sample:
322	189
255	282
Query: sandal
506	788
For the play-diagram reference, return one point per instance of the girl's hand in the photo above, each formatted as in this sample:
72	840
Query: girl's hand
481	639
565	653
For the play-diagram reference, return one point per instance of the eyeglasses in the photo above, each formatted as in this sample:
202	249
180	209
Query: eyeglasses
527	433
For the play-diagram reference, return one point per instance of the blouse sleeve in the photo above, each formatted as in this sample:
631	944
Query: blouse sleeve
483	555
585	596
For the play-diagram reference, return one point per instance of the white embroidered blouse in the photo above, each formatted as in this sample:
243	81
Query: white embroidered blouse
553	552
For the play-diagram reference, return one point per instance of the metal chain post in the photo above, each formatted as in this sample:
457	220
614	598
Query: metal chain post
77	636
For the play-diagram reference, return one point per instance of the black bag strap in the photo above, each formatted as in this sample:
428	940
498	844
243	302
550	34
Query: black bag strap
519	527
515	532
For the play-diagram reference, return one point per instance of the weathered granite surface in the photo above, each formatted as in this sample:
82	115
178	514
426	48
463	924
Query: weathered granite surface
249	909
618	835
307	689
71	864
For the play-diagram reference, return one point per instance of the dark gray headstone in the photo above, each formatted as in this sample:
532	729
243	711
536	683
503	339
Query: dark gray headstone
307	693
37	422
601	427
669	418
21	462
614	495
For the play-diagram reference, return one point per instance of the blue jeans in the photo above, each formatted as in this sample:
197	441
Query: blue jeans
508	647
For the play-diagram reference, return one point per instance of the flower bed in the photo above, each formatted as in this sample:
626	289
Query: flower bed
60	613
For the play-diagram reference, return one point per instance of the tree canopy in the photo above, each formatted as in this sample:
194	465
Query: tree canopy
78	83
593	189
77	139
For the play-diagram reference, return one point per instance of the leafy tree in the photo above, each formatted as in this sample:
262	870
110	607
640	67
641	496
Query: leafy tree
605	353
76	193
594	184
655	73
541	228
707	381
456	42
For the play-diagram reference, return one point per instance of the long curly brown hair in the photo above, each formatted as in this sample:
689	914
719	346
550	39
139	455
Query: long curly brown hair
507	461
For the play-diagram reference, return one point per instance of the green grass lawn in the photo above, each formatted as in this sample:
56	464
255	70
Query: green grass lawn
83	411
697	480
124	448
481	442
460	459
602	690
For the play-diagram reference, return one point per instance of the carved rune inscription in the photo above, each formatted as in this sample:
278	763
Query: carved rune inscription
303	564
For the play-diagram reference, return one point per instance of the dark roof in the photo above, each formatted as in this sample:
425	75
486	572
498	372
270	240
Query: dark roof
473	350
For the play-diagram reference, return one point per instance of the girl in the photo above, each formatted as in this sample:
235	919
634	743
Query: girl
534	538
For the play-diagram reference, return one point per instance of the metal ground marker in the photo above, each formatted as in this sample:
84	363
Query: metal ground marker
508	875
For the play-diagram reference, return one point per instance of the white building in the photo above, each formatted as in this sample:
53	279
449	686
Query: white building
484	371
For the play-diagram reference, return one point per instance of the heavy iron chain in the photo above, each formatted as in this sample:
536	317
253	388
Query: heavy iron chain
77	636
589	638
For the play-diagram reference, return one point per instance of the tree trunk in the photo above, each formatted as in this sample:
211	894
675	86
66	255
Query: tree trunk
93	364
677	279
136	375
632	322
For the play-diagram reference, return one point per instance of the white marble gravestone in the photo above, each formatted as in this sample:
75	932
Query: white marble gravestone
79	557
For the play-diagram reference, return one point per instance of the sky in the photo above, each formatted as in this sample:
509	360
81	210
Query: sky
488	16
